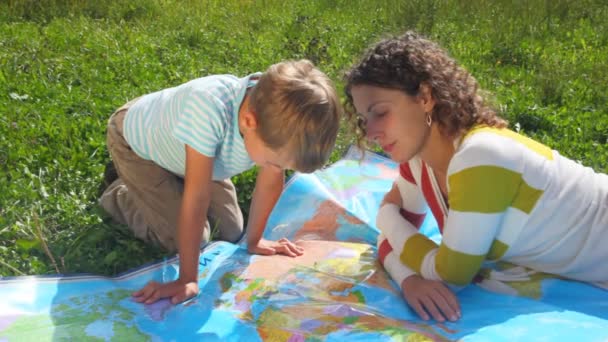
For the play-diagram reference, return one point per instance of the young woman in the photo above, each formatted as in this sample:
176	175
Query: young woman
496	195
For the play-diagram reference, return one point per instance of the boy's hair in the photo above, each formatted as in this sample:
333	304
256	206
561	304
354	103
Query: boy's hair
297	110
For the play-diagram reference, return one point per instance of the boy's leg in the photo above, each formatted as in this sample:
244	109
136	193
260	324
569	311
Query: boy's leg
225	216
145	197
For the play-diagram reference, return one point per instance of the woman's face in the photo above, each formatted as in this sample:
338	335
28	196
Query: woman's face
394	120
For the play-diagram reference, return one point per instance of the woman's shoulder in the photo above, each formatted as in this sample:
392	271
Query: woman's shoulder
497	147
480	137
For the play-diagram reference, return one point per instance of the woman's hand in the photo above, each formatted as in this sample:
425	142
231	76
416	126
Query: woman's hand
430	296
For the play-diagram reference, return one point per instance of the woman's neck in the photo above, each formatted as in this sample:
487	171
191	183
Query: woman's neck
439	151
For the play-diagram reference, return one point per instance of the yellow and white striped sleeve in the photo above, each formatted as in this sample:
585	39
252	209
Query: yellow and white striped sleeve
490	200
391	262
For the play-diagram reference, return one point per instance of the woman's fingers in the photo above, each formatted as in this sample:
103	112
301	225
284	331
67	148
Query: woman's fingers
452	301
438	297
417	306
429	304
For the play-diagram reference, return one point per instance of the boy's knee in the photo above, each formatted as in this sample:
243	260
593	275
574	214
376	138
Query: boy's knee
233	234
227	229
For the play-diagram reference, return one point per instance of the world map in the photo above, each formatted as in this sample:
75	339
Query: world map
336	291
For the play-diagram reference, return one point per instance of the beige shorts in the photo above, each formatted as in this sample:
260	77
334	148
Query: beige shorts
147	198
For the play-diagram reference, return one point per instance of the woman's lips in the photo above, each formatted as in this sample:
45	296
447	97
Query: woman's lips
388	148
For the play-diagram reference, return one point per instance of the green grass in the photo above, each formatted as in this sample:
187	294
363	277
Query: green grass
65	65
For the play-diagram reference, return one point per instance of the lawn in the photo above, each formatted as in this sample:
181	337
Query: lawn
65	65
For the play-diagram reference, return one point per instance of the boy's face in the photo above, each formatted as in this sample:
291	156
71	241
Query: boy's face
263	155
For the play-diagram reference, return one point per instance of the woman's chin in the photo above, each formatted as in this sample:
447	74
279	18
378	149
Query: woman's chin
399	157
396	157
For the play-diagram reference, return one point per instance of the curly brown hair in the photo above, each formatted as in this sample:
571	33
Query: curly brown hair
406	62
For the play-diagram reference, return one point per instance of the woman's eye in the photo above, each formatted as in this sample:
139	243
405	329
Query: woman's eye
379	115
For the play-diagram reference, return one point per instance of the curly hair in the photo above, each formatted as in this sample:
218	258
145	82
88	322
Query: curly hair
408	61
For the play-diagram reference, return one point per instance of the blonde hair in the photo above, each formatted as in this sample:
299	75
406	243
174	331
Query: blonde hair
297	108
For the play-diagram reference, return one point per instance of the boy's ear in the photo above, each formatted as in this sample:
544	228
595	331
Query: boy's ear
249	120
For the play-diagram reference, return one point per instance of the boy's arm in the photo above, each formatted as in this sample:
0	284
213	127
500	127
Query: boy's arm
268	188
193	214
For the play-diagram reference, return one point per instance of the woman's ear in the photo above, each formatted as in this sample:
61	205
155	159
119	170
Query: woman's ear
426	97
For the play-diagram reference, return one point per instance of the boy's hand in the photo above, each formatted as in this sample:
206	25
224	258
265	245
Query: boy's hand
430	296
283	246
177	291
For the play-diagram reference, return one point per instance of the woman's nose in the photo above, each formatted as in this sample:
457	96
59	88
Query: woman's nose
372	138
373	133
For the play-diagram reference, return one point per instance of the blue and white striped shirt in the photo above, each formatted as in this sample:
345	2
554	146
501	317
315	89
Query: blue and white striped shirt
202	113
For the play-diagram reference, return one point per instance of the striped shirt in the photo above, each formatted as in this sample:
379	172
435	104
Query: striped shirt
510	198
202	113
419	190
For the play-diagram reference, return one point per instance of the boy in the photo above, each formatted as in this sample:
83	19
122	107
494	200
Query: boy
175	151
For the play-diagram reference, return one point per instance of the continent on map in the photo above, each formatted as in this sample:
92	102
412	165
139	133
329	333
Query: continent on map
307	322
99	316
319	293
325	223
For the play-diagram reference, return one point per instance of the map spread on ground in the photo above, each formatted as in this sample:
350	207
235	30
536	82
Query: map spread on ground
336	291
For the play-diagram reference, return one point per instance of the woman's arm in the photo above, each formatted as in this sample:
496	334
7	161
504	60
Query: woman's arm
427	297
489	199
